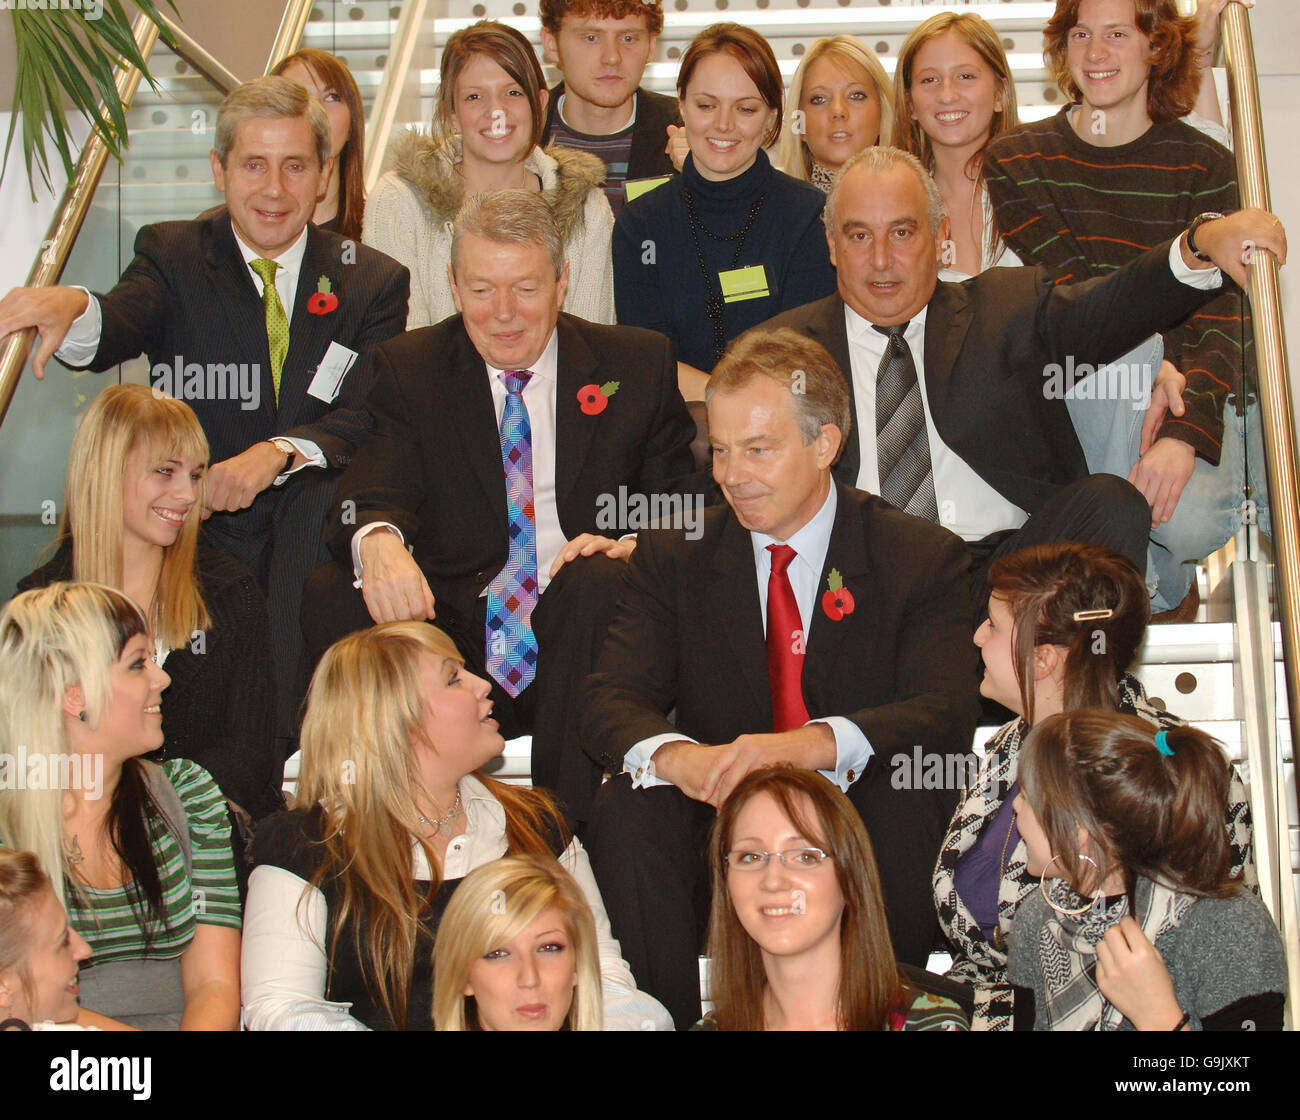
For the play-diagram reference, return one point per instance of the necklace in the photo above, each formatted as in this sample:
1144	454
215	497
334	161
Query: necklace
444	822
714	304
999	938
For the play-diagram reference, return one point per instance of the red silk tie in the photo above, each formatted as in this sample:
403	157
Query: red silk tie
785	644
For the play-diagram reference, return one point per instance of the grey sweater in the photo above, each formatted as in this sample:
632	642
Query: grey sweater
1225	950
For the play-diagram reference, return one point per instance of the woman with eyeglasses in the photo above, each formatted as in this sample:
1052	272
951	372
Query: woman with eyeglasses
797	932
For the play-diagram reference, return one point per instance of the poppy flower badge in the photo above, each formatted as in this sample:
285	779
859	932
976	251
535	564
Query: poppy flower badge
837	601
593	399
323	300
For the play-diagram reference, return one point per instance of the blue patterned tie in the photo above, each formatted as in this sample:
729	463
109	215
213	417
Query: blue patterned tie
512	595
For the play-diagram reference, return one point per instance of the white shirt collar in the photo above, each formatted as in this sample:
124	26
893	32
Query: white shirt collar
544	368
290	261
811	541
860	328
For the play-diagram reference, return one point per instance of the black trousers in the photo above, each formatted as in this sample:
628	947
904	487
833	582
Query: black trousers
570	621
281	540
1101	509
649	849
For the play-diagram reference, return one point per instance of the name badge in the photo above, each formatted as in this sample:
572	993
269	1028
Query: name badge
635	188
330	373
740	284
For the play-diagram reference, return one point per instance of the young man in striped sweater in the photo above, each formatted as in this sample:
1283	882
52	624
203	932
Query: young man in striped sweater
1085	191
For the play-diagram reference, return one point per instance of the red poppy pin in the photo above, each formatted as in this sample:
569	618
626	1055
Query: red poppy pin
838	601
593	398
322	300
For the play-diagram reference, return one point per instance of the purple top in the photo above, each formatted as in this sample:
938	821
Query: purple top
979	872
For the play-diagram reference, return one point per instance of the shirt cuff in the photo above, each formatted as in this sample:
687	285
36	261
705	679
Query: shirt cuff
852	751
356	546
313	455
639	759
1206	279
81	342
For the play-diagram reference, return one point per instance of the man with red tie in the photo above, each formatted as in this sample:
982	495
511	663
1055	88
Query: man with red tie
810	624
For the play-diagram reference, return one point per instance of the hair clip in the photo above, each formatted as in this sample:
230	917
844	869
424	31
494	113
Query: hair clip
1162	743
1088	616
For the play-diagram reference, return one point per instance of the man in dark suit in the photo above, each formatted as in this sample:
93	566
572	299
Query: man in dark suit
990	443
271	385
811	624
435	517
602	49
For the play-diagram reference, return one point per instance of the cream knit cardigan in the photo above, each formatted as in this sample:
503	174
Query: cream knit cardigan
409	216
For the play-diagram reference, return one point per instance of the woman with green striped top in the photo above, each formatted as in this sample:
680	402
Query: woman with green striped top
147	878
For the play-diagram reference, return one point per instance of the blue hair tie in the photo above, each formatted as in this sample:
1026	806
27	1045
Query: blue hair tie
1162	743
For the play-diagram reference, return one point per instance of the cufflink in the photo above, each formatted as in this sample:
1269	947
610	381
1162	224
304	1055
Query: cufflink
640	772
852	776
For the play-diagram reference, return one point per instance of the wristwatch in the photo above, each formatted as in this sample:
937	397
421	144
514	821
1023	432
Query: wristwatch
1197	222
290	451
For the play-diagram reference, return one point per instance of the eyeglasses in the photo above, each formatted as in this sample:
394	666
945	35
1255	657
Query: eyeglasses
800	859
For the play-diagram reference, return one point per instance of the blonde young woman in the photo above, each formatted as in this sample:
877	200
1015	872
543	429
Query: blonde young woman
140	853
489	122
516	951
953	94
40	954
392	813
131	515
840	102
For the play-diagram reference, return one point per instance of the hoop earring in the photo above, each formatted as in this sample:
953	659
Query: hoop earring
1042	887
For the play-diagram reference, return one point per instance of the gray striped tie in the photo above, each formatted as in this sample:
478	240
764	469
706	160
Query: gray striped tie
902	444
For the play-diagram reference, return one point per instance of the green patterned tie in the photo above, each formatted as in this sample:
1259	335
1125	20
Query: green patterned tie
277	326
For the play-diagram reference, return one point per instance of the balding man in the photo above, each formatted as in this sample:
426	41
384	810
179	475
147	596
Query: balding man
982	441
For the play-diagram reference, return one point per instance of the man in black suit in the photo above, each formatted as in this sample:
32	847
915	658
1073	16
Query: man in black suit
281	418
606	423
877	664
602	49
998	459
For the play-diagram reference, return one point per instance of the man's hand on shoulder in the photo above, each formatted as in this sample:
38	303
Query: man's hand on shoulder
808	748
392	584
1161	475
686	765
1230	242
234	483
588	544
52	311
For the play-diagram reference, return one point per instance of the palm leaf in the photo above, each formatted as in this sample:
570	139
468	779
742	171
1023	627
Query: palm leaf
62	55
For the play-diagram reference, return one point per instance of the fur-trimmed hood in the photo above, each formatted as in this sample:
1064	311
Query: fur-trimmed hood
567	176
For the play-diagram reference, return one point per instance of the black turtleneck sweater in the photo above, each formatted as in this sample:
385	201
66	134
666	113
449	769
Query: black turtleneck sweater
658	282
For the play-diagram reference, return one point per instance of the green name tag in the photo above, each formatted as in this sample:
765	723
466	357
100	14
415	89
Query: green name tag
740	284
635	188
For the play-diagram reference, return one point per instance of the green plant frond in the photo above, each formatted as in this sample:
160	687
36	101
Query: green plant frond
64	56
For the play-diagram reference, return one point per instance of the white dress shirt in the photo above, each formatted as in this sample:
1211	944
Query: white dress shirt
539	397
852	749
967	505
82	340
284	965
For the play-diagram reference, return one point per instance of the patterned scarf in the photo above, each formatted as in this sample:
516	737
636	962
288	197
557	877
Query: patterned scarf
1067	950
821	177
979	961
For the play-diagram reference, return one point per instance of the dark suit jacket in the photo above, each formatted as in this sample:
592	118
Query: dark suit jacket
689	635
432	465
988	341
188	295
654	113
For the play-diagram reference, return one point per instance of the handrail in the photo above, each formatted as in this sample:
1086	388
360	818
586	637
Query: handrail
290	33
388	98
1278	416
198	56
72	213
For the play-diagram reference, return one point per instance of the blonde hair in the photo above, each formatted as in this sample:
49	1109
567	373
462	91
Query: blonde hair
365	707
792	153
51	639
493	906
120	421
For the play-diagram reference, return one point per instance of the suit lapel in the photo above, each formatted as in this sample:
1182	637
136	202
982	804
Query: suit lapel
309	334
735	609
237	296
947	320
832	641
827	328
460	382
574	429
